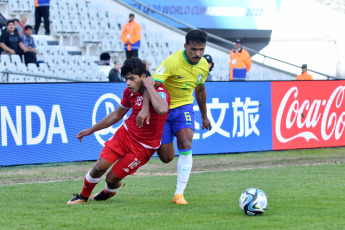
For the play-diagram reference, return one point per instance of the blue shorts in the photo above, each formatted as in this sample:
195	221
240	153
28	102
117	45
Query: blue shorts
179	118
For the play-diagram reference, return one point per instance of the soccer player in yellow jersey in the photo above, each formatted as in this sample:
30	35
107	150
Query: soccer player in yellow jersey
181	73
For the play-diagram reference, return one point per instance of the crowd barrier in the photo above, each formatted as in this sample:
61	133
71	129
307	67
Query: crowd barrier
39	122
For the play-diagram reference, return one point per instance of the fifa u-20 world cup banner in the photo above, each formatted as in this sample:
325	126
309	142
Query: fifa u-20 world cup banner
215	14
308	114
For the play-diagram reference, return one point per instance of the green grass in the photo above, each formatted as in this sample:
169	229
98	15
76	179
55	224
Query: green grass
299	197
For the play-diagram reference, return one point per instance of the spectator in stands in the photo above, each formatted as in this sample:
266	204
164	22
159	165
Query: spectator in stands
240	62
10	42
210	66
131	35
304	75
42	10
105	59
21	24
148	65
29	43
114	74
16	22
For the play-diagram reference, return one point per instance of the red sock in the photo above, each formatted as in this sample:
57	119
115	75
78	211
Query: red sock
87	188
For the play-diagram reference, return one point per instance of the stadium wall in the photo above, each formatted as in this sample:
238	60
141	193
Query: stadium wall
39	122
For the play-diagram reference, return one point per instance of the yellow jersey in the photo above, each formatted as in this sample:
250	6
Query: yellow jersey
180	77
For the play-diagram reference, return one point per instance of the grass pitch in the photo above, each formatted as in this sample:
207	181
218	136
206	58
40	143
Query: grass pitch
305	190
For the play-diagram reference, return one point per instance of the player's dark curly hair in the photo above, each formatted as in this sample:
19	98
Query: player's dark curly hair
134	66
197	36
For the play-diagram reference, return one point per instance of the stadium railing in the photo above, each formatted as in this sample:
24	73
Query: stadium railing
6	77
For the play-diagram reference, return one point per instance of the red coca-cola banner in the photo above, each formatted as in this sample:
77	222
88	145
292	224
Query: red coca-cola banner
308	114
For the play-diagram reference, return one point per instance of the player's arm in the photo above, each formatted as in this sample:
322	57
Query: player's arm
22	46
200	95
144	114
158	103
109	120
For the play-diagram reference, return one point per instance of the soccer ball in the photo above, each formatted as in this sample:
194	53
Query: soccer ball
253	201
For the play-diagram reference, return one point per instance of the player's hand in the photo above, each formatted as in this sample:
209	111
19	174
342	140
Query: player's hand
142	117
148	82
81	134
206	124
12	51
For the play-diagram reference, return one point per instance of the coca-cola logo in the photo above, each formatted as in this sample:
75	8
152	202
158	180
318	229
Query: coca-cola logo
306	116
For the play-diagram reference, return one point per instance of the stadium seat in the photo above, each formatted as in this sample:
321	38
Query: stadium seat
16	59
41	41
106	45
54	15
82	7
53	51
32	67
120	19
21	67
23	6
44	69
5	60
13	6
57	27
62	6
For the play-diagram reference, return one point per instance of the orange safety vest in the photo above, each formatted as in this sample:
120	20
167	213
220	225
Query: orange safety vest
131	32
304	76
240	64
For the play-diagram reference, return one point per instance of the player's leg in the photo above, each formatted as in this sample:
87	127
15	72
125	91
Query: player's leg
166	151
183	127
184	163
126	165
112	184
92	178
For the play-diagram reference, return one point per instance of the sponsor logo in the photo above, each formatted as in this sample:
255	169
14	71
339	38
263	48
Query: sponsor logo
37	123
107	102
245	115
163	95
160	70
139	100
318	118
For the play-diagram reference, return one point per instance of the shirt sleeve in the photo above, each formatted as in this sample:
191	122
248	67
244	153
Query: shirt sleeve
163	71
163	92
22	38
33	43
205	74
125	103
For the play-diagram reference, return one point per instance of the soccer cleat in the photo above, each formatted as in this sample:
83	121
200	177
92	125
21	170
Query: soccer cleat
78	199
179	199
102	196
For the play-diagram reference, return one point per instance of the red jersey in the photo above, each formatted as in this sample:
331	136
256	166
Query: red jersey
149	135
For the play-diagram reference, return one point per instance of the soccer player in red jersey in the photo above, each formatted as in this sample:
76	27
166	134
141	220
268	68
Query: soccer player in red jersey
131	146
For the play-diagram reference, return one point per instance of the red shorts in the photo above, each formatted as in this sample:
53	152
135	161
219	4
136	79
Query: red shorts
130	154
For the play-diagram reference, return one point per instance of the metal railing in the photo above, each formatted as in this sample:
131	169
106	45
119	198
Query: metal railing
5	76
